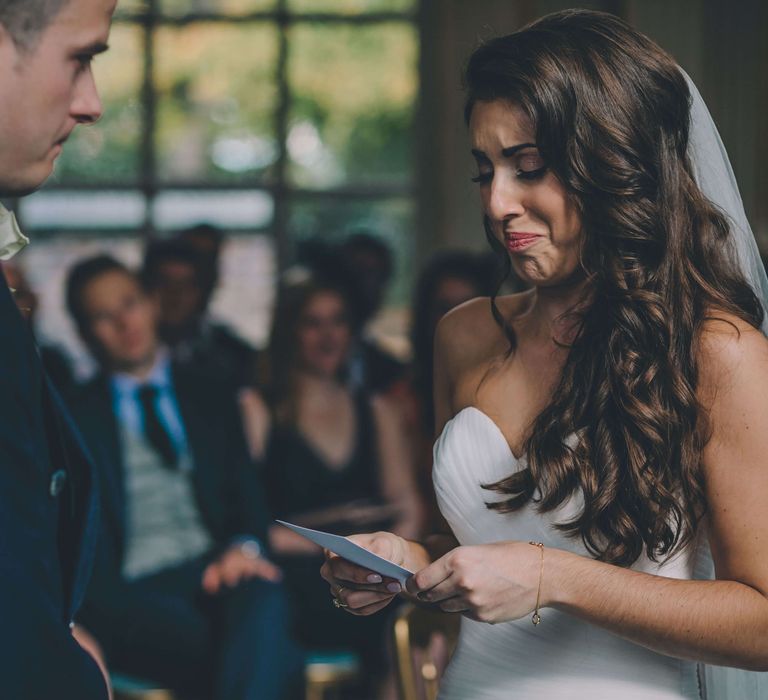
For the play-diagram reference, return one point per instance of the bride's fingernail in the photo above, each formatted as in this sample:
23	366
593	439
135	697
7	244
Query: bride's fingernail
393	587
373	578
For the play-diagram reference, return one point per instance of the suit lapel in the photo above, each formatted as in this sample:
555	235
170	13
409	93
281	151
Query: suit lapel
103	425
80	500
197	425
15	333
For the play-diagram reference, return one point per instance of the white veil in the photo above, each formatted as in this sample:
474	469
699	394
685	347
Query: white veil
715	178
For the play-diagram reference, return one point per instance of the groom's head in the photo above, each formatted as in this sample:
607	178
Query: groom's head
46	84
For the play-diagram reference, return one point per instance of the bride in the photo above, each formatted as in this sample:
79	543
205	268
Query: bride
603	450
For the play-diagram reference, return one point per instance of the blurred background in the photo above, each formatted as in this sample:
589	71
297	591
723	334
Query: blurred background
280	121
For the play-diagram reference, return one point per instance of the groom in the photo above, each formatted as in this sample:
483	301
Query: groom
48	511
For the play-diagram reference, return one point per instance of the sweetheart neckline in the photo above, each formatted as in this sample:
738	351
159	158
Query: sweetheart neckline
493	423
572	437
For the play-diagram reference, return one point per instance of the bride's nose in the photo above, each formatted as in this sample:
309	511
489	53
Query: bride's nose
505	197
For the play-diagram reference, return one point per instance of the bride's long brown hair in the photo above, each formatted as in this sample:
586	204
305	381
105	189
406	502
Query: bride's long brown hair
611	113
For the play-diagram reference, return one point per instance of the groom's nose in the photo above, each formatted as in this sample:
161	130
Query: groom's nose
86	107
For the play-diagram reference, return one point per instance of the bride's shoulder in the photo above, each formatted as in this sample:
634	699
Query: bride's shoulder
723	332
729	347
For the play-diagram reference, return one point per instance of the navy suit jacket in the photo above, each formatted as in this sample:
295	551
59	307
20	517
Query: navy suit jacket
226	483
48	524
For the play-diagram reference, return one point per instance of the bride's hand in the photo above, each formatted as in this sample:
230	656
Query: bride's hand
361	591
488	583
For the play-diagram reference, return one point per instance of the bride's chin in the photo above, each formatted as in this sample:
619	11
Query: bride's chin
533	272
536	273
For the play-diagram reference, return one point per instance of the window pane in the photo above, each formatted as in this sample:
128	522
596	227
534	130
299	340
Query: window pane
82	210
216	102
392	220
225	209
108	152
353	93
240	7
127	8
352	7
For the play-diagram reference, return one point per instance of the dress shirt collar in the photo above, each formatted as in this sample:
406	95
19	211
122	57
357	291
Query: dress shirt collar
160	376
12	240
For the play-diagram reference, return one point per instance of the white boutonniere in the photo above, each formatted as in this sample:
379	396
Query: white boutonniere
12	240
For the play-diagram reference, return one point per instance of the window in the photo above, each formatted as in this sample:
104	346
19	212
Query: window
273	119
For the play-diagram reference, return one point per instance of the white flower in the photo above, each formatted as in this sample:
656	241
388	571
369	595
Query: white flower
12	240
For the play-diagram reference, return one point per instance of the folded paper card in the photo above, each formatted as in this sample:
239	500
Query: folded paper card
350	551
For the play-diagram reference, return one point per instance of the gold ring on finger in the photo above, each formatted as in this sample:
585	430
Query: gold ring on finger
338	604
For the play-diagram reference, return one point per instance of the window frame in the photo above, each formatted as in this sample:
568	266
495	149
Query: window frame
148	184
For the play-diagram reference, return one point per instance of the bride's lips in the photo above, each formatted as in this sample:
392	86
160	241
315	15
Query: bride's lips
519	240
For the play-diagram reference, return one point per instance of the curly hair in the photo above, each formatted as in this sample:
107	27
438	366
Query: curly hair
611	113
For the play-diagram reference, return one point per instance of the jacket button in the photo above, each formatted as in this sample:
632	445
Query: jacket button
58	481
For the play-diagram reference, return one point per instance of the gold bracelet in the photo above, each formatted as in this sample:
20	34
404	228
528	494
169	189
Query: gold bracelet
536	618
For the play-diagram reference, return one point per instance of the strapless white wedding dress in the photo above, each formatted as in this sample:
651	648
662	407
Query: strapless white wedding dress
563	657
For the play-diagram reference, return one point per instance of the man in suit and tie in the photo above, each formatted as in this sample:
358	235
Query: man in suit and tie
48	509
181	592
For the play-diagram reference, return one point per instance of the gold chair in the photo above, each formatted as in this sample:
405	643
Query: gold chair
325	674
424	641
128	688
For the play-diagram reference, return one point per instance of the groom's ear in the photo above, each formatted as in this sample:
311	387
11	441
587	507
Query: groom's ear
9	54
8	44
5	36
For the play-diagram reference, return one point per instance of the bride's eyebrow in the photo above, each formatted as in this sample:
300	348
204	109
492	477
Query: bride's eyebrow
511	150
507	152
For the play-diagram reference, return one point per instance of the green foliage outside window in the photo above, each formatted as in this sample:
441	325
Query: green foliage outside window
216	102
353	89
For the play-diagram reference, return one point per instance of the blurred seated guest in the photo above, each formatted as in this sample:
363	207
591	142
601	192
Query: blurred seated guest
369	263
181	592
334	458
55	359
208	241
448	279
179	279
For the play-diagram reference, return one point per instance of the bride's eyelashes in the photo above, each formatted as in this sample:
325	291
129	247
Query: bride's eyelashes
528	166
532	174
537	174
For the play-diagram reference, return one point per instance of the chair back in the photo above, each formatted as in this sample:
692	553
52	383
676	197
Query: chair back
130	688
424	641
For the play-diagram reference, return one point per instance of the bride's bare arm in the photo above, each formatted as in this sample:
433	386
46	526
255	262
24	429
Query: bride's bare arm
723	621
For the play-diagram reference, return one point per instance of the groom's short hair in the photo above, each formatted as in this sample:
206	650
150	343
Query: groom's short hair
25	20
